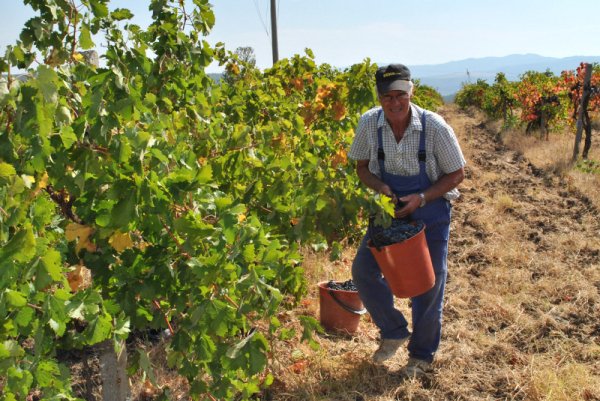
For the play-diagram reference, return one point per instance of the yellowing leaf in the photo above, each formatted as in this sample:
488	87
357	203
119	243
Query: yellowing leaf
78	57
120	241
339	111
43	182
279	141
298	84
340	157
241	218
233	69
81	234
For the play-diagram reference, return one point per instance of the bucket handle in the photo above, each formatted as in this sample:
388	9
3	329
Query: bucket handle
346	307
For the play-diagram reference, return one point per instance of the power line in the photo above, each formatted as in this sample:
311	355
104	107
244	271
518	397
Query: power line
262	21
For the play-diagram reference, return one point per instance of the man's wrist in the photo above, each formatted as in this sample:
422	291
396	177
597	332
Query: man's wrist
423	201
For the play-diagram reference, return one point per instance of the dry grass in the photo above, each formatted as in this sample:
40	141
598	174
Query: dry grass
555	156
522	310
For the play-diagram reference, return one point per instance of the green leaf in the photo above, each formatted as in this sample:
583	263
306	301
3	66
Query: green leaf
121	14
15	298
310	325
205	175
19	381
146	366
98	330
83	306
56	327
124	211
124	150
206	348
234	350
249	253
321	203
24	317
7	170
46	373
47	83
103	219
99	9
85	38
123	327
20	248
10	349
58	315
52	264
257	357
68	137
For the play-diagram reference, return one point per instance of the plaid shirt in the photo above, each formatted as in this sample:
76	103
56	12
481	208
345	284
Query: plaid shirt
443	151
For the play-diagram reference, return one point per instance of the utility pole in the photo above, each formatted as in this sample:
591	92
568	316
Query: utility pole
274	32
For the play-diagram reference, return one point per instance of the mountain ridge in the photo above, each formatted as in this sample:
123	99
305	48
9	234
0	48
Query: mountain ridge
447	78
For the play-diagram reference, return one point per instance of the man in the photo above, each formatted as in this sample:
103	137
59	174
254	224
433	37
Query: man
412	156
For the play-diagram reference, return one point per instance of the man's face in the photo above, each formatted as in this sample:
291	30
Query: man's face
395	103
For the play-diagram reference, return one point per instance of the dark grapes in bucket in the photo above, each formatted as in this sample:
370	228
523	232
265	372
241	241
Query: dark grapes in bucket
342	286
400	230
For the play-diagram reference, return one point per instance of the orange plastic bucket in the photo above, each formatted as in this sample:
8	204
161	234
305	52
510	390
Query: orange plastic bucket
339	310
406	266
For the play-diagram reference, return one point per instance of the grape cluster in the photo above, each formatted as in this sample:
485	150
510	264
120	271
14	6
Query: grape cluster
345	286
400	230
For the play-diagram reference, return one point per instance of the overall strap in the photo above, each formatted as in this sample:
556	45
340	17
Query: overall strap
380	152
422	152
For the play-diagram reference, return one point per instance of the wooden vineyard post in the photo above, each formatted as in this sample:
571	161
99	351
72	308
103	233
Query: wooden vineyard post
115	383
582	108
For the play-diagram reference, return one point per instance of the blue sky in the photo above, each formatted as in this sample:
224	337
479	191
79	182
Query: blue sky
344	32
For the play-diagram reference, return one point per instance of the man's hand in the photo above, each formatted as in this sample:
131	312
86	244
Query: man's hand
387	191
411	203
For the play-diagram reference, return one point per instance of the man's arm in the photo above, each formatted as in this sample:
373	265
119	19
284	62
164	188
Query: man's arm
371	180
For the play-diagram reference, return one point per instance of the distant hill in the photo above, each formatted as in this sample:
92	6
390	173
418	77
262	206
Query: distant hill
447	78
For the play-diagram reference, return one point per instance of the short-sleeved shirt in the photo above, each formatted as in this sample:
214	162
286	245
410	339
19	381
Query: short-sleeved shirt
444	155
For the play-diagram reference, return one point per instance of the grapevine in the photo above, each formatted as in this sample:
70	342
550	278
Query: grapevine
185	201
545	101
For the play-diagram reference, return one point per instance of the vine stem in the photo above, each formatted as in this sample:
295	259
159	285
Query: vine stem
74	43
36	307
174	238
157	305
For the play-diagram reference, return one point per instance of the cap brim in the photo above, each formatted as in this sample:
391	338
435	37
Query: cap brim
397	85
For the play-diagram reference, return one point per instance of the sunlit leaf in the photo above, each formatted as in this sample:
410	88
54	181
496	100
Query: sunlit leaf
121	241
81	234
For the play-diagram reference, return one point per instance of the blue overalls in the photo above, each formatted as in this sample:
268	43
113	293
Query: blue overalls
372	287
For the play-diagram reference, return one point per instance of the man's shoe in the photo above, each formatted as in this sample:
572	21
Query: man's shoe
417	368
387	349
